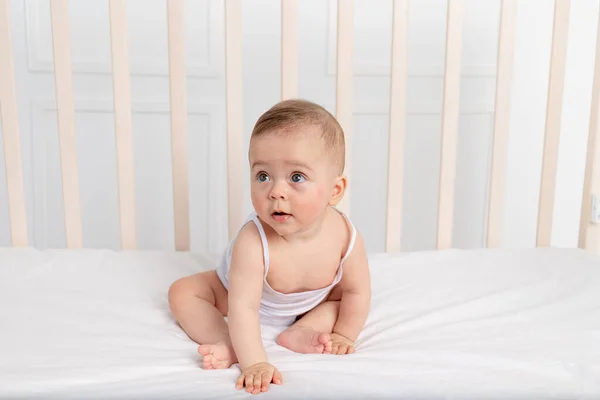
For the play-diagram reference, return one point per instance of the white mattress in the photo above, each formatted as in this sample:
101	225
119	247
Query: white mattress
452	324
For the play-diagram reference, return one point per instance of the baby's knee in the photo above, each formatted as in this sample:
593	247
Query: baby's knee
178	291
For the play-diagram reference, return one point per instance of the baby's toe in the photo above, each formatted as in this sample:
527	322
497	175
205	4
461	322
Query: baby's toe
205	349
324	338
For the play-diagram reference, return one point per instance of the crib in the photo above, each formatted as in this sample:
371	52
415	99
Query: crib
491	322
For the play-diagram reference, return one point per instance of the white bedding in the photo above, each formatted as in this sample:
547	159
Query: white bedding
452	324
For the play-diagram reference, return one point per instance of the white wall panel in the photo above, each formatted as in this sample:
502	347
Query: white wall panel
369	179
421	182
153	180
528	107
148	37
472	180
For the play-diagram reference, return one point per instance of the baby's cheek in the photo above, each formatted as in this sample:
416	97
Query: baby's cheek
313	204
258	201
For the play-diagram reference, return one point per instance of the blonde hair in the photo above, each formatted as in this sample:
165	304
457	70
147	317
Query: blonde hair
284	117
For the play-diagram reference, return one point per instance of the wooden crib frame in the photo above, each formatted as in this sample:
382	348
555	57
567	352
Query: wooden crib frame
589	237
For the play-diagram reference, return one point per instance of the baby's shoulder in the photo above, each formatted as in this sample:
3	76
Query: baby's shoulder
246	250
248	240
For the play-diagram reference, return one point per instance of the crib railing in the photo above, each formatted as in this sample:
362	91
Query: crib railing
10	134
588	236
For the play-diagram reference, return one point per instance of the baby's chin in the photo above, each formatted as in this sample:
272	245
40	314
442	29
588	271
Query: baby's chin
282	226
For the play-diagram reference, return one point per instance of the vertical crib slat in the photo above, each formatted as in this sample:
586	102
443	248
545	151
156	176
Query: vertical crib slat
345	56
233	43
558	60
397	128
450	114
589	234
10	134
124	141
289	49
66	121
506	47
179	123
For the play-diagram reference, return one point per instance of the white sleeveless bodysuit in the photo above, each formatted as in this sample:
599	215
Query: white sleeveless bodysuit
278	308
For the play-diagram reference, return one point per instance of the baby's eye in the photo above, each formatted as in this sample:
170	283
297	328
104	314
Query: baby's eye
262	177
297	178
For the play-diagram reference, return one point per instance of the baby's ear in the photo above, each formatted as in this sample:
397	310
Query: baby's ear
341	182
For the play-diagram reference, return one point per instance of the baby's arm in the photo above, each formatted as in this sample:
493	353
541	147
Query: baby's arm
245	288
356	293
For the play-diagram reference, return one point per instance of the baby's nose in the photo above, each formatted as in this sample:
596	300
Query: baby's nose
278	192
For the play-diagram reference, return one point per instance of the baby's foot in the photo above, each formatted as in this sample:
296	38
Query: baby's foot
305	340
217	356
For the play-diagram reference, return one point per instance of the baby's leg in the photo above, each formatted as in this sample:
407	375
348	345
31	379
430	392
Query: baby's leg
199	303
311	333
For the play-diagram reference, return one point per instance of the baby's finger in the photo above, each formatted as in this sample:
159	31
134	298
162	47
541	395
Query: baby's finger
266	379
256	383
249	381
277	377
239	384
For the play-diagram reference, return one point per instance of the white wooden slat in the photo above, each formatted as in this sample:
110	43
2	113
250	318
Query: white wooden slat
10	134
66	121
345	56
179	123
397	131
233	43
450	115
589	233
506	48
289	49
124	141
558	60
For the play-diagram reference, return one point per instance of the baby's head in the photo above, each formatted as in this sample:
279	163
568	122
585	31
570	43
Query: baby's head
297	157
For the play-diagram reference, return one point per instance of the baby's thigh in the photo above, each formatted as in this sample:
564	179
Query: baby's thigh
204	285
335	294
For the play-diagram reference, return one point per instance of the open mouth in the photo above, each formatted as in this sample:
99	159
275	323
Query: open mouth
280	216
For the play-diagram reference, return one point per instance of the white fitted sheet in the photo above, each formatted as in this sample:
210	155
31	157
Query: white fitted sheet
448	324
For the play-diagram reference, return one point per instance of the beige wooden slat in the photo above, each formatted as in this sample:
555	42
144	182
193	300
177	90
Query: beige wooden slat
450	114
66	121
589	233
179	123
397	131
233	42
124	141
289	49
345	56
10	134
558	60
506	48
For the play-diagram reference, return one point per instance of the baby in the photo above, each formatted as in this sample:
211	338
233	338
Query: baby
296	262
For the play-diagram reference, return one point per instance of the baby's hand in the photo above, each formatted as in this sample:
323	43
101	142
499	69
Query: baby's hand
257	378
341	345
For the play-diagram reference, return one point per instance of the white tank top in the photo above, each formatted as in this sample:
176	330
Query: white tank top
283	308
